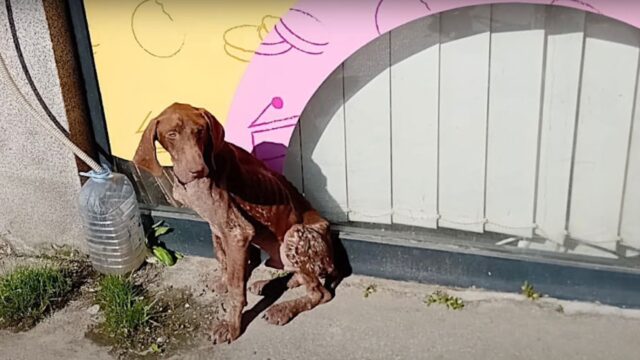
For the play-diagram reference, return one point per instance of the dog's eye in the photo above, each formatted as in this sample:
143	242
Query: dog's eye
172	135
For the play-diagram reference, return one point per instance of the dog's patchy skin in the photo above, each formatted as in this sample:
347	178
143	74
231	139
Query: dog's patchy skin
245	204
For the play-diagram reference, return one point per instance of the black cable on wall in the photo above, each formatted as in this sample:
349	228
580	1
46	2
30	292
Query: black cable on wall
25	70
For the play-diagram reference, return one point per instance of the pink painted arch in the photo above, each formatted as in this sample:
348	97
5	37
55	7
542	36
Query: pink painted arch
321	35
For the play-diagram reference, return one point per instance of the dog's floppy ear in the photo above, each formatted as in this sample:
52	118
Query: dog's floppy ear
145	156
216	130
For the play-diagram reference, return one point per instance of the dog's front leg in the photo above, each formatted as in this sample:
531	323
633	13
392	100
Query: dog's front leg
219	285
236	235
229	329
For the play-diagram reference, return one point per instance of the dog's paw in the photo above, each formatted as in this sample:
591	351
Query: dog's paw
278	314
257	287
224	332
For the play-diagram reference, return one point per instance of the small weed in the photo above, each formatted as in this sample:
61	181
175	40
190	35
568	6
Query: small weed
529	291
125	308
154	348
158	248
279	274
441	297
369	290
27	295
159	229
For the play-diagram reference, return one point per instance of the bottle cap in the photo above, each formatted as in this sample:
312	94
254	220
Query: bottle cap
104	174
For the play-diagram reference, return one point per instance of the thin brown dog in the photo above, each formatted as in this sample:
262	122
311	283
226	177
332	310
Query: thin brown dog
245	204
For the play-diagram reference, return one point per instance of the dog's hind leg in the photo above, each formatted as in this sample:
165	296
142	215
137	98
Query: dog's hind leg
258	287
266	240
307	251
282	313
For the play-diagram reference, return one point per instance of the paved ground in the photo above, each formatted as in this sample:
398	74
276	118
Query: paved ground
391	323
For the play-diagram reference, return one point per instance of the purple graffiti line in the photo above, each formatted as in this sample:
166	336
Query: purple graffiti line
296	47
277	103
425	4
274	158
233	41
276	121
377	13
263	28
301	38
579	2
287	37
306	14
294	38
376	17
273	54
253	133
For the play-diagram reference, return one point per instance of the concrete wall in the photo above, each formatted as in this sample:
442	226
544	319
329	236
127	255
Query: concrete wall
38	176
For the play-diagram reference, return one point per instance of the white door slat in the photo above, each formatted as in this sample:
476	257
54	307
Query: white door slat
608	84
415	59
368	132
630	225
517	54
464	67
562	78
323	149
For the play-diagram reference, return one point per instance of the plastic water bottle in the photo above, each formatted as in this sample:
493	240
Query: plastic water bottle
111	220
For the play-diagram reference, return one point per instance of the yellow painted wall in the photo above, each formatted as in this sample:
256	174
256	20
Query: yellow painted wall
151	53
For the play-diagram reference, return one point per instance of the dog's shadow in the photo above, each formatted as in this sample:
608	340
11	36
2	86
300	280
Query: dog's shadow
274	290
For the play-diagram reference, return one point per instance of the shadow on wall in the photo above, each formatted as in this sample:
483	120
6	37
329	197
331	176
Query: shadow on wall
329	99
469	22
402	43
274	155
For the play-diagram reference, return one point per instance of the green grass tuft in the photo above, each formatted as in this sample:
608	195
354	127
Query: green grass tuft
370	290
125	308
529	291
441	297
28	294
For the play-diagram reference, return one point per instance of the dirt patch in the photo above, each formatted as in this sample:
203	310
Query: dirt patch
180	320
183	311
73	267
179	324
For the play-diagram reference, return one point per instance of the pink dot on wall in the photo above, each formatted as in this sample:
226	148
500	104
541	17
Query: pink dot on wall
277	102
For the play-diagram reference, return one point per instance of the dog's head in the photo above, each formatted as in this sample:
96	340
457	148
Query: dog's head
191	135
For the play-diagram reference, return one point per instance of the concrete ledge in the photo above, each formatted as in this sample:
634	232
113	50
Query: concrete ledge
445	262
